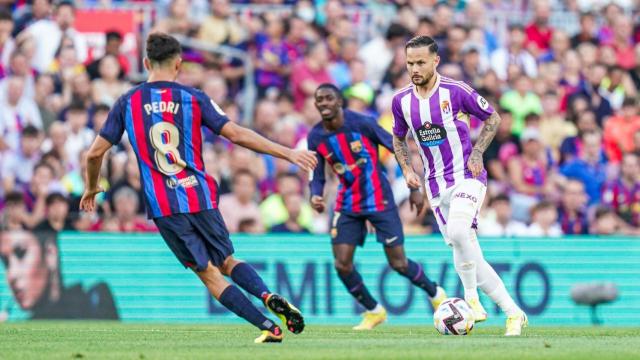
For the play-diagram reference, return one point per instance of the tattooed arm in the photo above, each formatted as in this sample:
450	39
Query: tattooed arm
486	136
401	150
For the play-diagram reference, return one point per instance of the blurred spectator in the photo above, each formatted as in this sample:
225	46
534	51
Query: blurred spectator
571	147
623	194
622	42
272	65
554	128
620	129
79	135
452	52
273	210
309	73
44	88
521	101
125	219
7	45
17	166
605	222
295	40
250	226
39	10
57	214
499	221
240	204
18	112
130	180
544	221
113	42
596	102
443	19
378	53
340	69
539	32
514	53
572	210
220	28
504	146
588	30
293	203
560	44
15	213
616	86
588	168
48	35
177	20
528	174
108	87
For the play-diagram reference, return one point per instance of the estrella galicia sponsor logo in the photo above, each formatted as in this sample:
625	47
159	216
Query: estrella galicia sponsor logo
431	135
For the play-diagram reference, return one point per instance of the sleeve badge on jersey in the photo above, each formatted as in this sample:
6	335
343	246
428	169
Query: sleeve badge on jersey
482	102
217	108
356	146
445	106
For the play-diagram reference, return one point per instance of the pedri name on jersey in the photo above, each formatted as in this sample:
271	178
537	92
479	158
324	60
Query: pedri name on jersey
161	107
431	134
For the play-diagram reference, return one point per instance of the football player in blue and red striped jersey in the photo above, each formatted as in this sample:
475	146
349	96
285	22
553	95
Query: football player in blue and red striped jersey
164	121
348	143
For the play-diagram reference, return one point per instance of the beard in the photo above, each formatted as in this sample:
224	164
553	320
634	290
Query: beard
422	80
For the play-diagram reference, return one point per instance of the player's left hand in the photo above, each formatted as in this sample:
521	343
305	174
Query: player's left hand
475	164
304	158
416	200
88	201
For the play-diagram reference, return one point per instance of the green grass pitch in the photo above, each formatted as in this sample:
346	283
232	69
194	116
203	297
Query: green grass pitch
107	340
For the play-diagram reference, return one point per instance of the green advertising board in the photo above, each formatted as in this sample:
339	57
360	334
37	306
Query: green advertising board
149	285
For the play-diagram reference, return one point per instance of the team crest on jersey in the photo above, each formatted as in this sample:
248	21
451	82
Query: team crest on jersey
356	146
445	106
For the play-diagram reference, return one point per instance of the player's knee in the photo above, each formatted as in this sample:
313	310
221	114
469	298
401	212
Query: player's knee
401	266
458	230
227	266
343	267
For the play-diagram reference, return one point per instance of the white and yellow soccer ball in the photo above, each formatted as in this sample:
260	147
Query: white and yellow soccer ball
454	317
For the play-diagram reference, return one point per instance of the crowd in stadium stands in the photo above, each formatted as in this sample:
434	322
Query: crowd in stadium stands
565	159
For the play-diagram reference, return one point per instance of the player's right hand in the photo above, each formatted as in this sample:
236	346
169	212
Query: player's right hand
413	180
88	201
317	203
304	158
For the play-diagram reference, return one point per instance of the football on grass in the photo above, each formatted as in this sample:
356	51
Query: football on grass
453	317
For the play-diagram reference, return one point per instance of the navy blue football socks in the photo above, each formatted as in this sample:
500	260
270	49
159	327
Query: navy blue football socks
245	276
233	299
358	290
415	273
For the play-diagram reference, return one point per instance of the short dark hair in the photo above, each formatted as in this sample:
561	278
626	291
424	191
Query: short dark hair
162	47
113	35
65	3
44	165
500	198
30	131
14	197
5	15
54	197
76	106
101	107
422	41
396	30
244	172
329	86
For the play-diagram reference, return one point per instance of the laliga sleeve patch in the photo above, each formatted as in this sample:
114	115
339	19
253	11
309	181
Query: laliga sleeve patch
482	103
217	108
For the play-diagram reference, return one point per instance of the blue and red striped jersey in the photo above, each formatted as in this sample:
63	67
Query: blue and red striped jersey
352	153
164	123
